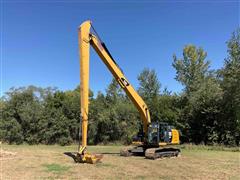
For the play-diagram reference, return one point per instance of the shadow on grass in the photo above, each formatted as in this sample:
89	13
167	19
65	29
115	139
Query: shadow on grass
73	155
110	153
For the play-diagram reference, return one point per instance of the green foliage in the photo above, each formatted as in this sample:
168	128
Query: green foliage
10	131
112	117
211	101
207	111
192	69
201	97
54	124
149	90
230	83
114	93
168	109
204	109
149	84
23	110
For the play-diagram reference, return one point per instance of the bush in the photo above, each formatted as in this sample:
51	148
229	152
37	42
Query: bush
10	131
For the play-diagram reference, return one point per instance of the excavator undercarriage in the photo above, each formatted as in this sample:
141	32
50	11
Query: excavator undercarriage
157	144
150	153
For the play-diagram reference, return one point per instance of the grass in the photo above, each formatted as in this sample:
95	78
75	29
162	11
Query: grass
213	148
104	165
49	162
56	168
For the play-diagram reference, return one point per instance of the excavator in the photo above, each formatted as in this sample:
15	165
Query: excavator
155	139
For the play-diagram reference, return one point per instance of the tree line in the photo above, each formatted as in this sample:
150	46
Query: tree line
206	111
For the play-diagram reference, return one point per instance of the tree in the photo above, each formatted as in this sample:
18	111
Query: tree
230	76
168	109
54	124
97	115
112	117
192	69
10	131
114	92
109	119
204	112
71	110
201	97
149	90
23	107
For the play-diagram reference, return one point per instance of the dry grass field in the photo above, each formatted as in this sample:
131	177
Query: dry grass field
49	162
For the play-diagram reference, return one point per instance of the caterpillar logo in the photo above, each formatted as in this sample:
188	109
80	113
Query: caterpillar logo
125	82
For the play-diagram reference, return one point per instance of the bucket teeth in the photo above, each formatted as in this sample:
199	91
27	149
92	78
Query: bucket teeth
93	158
89	158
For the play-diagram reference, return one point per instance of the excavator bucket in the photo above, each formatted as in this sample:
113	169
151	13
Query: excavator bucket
88	158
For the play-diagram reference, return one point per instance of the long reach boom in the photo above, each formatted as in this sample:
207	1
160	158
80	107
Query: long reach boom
86	38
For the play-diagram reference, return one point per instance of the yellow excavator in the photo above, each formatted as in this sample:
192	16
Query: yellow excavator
152	141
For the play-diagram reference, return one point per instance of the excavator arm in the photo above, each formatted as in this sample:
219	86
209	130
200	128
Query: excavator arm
86	38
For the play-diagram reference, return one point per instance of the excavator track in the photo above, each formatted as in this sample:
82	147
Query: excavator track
155	153
150	153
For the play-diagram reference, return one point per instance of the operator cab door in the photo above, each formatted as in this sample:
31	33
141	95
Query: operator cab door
165	132
153	134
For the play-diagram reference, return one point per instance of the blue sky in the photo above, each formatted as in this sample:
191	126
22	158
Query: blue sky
39	39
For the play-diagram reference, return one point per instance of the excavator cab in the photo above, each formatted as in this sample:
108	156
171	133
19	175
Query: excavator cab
162	134
159	134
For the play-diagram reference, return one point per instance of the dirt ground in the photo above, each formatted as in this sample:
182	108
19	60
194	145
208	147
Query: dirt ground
49	162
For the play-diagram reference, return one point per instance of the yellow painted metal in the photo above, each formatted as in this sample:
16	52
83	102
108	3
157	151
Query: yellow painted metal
92	158
86	38
89	158
162	144
83	39
84	48
124	83
81	149
175	137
